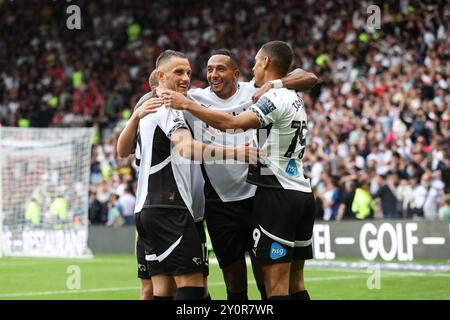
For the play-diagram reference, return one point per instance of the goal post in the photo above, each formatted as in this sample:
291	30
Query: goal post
44	186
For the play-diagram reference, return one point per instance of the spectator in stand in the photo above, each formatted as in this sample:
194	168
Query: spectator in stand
127	201
96	211
387	194
115	213
382	103
444	210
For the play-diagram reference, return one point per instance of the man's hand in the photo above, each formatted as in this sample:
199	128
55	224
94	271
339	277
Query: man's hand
298	80
258	94
247	153
127	139
149	106
173	99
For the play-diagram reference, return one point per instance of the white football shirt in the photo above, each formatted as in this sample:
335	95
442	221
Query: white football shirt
137	152
283	138
164	180
227	181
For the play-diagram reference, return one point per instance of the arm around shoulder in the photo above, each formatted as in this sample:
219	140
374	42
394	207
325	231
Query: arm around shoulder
300	80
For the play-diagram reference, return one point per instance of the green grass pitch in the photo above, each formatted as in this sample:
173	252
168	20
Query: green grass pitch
109	277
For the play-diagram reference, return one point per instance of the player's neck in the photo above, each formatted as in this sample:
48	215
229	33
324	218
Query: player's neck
271	75
227	94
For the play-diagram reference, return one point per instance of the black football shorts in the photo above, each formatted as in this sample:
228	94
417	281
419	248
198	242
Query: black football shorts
171	241
284	221
230	229
141	262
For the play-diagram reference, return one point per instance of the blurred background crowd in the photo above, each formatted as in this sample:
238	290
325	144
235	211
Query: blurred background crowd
378	120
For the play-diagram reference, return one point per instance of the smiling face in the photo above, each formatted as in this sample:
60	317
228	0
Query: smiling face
175	75
222	75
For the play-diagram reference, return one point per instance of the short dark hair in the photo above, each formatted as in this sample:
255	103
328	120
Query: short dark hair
281	54
226	52
167	55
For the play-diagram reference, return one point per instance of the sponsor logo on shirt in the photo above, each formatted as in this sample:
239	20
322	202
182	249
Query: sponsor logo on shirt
292	169
277	251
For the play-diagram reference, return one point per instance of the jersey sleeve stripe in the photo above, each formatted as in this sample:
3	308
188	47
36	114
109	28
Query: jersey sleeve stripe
258	114
175	128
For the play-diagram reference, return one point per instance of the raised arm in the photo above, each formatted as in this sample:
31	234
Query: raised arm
127	138
298	80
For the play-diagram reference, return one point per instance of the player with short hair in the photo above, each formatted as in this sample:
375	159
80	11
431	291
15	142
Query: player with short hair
165	210
143	274
228	196
126	145
170	195
284	203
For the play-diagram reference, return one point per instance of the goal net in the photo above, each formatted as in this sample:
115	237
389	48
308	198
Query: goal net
44	185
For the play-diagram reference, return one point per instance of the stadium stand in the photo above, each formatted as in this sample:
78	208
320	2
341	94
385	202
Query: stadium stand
379	119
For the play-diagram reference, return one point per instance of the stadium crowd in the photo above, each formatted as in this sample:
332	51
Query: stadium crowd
379	118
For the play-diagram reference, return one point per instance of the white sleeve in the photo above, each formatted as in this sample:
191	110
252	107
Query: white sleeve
265	109
171	120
